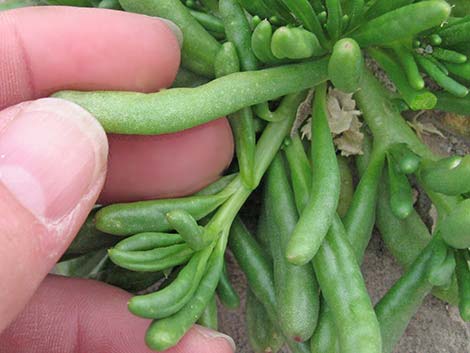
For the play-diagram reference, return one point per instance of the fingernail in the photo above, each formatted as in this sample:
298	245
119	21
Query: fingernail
207	333
175	29
52	152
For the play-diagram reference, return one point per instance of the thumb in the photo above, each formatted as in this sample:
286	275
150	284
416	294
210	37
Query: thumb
52	168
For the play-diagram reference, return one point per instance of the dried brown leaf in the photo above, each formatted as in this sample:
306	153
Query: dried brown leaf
303	112
424	128
343	122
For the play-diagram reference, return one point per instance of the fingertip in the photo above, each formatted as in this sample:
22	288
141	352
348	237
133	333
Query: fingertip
178	33
53	157
218	341
53	153
46	49
171	165
74	315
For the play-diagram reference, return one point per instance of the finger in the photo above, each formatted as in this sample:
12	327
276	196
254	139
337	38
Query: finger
149	167
81	316
52	48
52	167
46	49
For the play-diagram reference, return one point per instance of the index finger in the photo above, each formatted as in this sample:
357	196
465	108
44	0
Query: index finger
46	49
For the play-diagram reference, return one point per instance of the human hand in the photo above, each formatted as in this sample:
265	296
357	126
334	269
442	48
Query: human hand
53	161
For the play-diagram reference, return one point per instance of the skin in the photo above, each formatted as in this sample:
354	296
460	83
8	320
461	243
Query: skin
190	171
45	193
